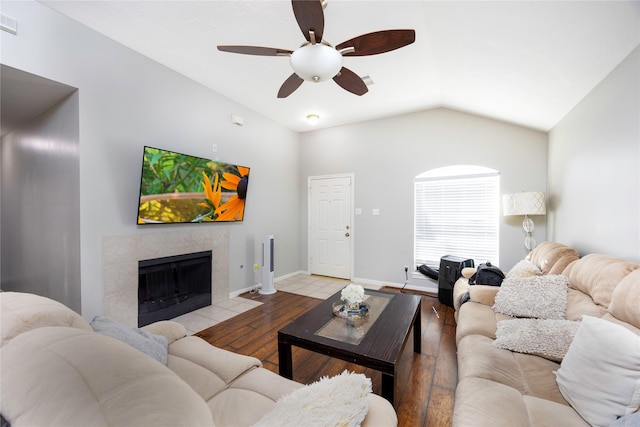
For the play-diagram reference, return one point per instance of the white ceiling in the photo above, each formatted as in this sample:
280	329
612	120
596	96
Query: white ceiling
526	62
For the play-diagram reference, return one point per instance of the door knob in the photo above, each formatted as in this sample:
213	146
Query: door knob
346	234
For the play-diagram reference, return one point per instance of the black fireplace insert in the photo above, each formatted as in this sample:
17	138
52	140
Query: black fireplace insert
171	286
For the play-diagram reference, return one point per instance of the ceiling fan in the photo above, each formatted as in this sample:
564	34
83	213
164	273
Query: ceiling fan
316	60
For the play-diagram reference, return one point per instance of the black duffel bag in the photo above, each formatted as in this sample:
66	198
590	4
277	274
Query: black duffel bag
430	272
487	274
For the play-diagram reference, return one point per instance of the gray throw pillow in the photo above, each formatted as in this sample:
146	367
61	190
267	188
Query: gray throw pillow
153	345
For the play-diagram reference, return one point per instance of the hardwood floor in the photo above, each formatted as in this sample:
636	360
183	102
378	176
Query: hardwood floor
426	381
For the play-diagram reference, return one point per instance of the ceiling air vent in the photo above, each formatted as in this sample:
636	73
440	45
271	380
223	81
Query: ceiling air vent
8	24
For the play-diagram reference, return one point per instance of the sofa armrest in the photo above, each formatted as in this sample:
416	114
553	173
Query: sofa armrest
483	294
460	288
65	376
21	312
167	328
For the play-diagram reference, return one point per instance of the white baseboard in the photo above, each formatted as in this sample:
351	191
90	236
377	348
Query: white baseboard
242	291
287	276
259	285
416	283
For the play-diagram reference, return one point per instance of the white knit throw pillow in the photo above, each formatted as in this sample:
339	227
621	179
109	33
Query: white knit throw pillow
548	338
542	297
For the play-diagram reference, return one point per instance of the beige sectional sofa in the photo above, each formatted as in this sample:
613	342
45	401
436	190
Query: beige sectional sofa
56	371
500	387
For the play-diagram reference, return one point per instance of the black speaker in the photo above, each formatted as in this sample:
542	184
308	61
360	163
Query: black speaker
450	271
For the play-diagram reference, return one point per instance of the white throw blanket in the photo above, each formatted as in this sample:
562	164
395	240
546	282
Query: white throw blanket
340	401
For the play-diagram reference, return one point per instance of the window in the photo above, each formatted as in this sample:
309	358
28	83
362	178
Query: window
456	213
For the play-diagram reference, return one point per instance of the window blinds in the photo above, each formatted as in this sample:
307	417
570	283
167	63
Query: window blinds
457	215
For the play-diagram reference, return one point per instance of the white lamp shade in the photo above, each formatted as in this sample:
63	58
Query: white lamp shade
316	62
526	203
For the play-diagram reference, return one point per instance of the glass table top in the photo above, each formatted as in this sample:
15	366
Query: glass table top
338	329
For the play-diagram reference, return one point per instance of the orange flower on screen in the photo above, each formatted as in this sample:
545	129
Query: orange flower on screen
212	194
233	209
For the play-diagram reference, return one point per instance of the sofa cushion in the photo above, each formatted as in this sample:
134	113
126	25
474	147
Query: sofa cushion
523	268
61	376
600	375
579	304
226	365
261	388
625	298
208	369
477	319
21	312
167	328
552	257
528	374
484	294
598	275
548	338
150	344
543	297
480	402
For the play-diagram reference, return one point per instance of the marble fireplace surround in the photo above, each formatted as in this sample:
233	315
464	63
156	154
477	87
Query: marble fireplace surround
120	256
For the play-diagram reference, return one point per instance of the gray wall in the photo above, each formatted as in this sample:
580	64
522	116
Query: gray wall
127	101
386	155
594	168
41	206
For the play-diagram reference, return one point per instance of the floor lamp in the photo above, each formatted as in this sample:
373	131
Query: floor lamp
525	203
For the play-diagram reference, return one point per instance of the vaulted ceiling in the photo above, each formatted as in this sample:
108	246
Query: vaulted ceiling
525	62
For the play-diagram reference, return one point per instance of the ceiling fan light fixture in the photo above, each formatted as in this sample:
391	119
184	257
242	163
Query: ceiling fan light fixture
313	119
316	62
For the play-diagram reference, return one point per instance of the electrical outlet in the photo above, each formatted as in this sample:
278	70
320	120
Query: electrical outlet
406	268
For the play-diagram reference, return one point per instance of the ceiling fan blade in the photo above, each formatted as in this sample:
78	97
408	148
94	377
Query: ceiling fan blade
310	17
290	85
350	81
255	50
378	42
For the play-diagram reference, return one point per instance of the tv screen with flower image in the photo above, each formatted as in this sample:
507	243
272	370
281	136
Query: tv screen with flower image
179	188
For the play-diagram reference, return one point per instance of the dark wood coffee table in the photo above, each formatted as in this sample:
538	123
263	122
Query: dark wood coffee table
379	349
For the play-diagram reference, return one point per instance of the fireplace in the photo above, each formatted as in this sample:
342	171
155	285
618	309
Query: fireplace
171	286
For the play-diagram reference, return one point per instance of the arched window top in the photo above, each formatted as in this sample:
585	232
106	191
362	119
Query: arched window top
457	171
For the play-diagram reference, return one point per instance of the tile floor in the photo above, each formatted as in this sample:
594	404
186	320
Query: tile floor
302	284
213	314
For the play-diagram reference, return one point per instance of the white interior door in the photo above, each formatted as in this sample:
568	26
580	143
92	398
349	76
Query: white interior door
330	226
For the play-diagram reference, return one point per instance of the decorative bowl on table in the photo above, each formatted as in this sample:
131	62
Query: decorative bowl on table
356	311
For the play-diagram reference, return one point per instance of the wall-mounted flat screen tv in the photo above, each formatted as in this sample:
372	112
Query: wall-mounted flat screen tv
179	188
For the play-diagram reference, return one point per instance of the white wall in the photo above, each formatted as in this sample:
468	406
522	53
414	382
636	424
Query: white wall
594	168
127	101
386	155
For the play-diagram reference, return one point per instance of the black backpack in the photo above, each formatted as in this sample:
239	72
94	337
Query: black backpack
487	274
